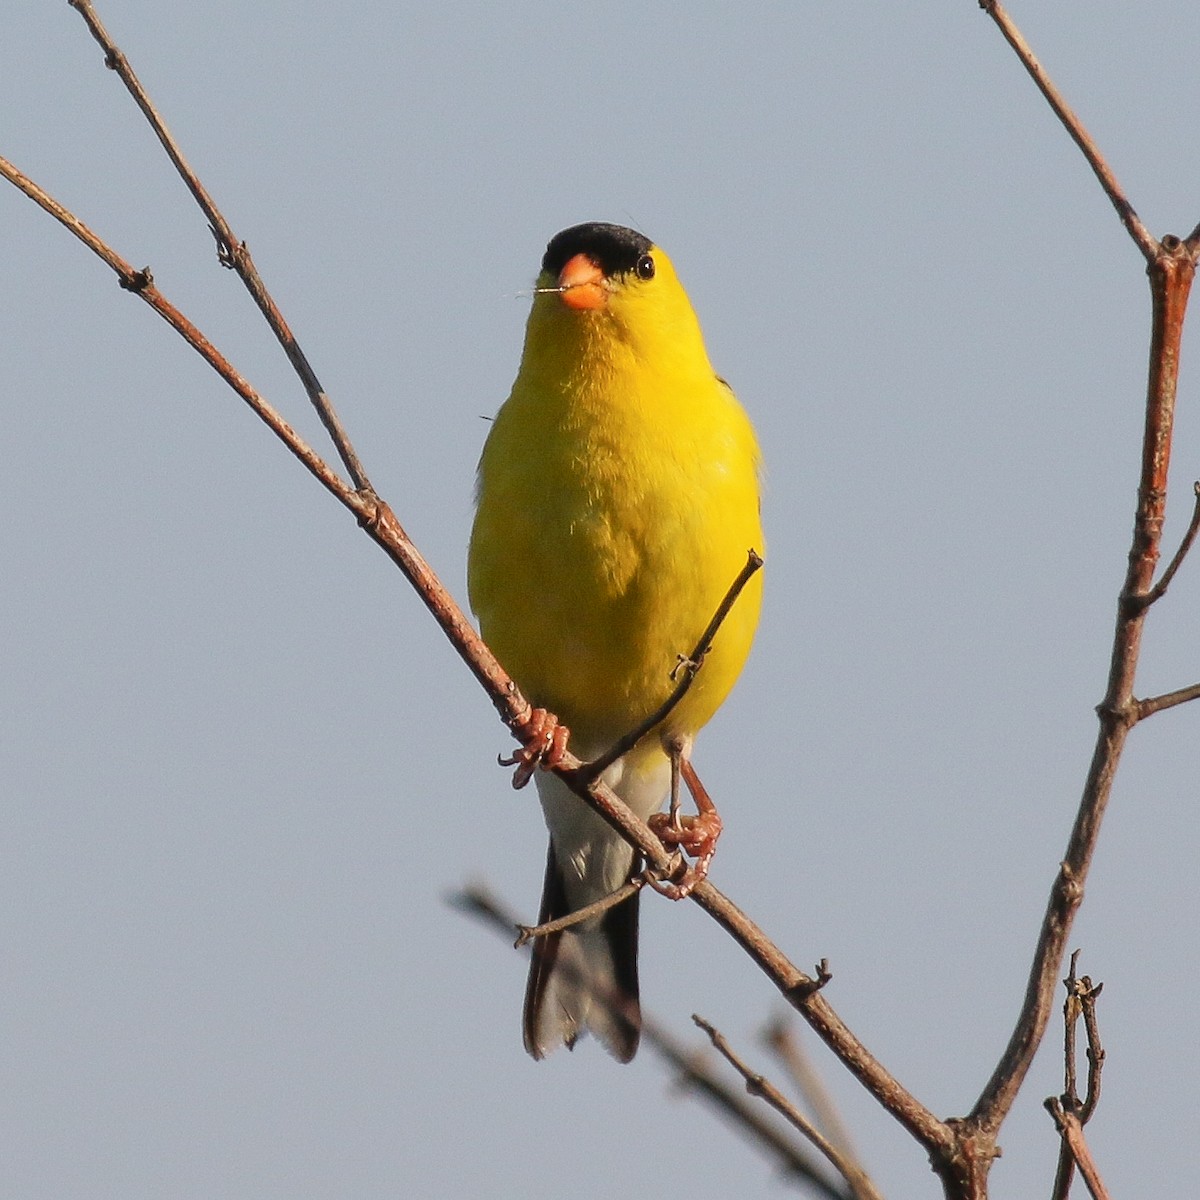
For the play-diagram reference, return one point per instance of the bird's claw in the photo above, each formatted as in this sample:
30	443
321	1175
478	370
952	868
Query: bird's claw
543	744
693	835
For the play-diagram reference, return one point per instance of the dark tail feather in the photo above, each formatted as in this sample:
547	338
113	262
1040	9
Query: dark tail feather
584	977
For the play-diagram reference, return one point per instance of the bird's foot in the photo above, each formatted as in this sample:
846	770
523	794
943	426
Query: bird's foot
543	744
693	835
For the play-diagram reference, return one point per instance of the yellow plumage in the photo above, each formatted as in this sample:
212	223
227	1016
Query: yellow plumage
617	500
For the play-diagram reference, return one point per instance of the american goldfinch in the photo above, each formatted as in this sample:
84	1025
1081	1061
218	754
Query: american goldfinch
617	500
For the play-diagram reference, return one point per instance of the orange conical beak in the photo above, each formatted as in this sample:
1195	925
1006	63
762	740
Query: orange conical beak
581	284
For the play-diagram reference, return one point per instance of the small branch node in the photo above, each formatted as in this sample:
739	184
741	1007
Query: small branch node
1070	886
810	986
684	664
136	281
1126	714
226	251
1053	1105
371	511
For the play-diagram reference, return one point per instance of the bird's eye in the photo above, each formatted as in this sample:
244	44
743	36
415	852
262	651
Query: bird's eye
645	267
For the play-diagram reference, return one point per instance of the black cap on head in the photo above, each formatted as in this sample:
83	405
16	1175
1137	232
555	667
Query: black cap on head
613	248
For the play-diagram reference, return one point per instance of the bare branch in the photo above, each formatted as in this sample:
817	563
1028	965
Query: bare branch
1145	241
759	1085
230	251
1064	1171
1095	1051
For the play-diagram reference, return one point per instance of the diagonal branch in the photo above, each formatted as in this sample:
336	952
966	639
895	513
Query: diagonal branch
141	283
759	1085
1145	241
230	251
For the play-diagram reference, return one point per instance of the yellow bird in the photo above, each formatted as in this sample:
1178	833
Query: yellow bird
617	500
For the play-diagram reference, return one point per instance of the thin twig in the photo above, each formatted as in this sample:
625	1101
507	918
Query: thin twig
780	1039
686	671
231	252
1095	1051
1142	237
694	1073
526	933
1147	708
1069	1127
759	1085
1160	588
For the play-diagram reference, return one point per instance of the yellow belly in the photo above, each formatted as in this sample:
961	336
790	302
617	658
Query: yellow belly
599	558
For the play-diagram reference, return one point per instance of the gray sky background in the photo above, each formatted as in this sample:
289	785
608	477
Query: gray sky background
241	771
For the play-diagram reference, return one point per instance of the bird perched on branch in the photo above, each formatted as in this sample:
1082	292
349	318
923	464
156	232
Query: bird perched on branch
617	500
